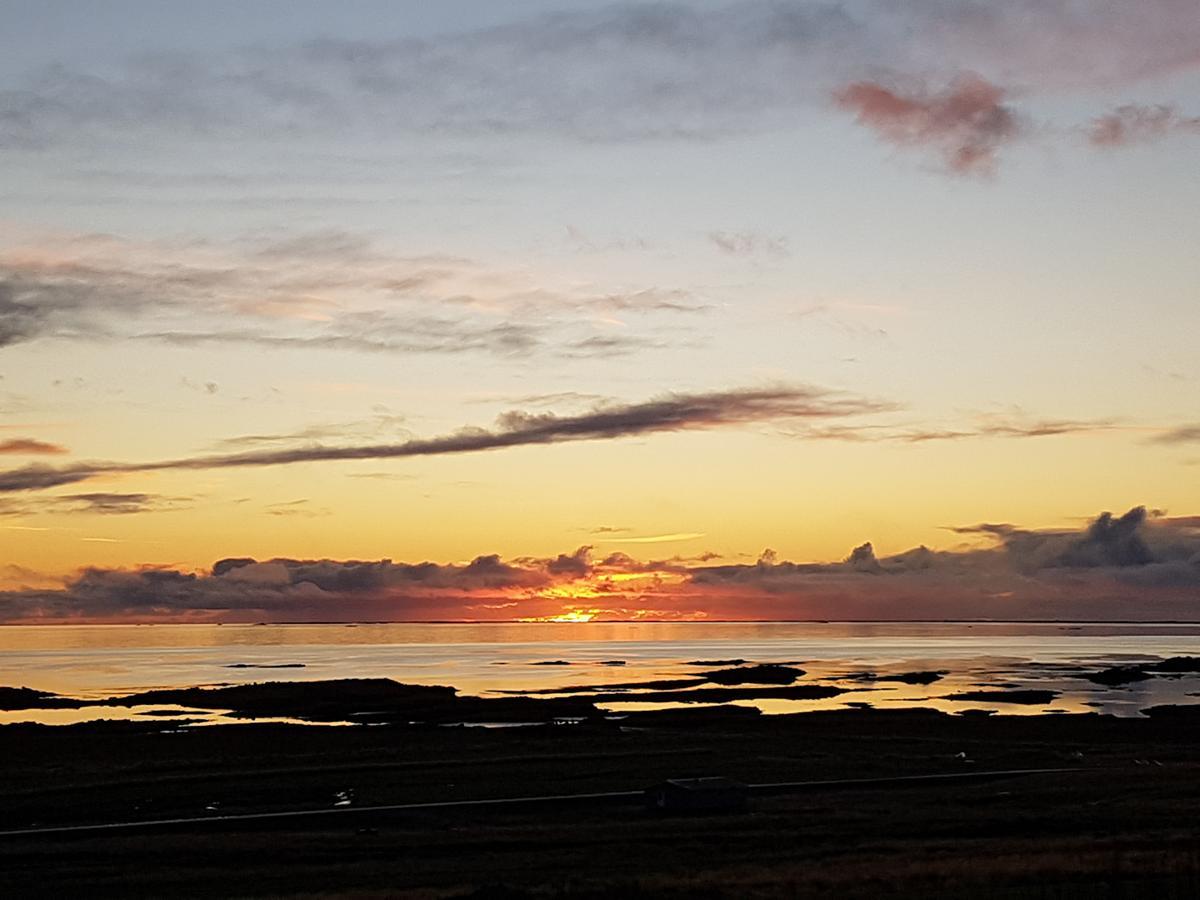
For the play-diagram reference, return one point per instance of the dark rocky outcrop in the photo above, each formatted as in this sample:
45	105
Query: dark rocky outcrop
1026	697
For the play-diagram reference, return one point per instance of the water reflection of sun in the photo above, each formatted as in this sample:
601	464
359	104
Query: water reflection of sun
623	595
567	615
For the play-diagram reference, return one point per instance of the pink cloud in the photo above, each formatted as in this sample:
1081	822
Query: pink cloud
965	124
1136	123
30	446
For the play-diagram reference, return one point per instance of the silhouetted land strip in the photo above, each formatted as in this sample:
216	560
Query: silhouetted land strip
765	673
1028	697
266	666
384	700
329	701
715	662
1122	826
722	694
899	678
26	698
1188	712
1115	675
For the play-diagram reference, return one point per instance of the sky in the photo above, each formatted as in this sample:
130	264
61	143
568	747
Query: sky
729	310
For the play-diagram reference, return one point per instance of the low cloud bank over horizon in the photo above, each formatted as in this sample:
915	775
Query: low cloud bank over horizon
1140	565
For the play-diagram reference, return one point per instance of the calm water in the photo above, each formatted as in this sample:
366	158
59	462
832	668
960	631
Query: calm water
95	661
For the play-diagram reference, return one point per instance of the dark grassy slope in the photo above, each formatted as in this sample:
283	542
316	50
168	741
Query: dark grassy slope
1124	820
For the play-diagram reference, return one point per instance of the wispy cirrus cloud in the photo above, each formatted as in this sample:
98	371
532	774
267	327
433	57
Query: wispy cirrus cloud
1184	434
381	422
668	413
749	244
550	399
985	426
301	508
672	537
104	503
325	290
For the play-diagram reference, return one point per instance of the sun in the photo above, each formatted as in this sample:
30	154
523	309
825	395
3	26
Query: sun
567	615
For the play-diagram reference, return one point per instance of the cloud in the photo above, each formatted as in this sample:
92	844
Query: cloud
1134	124
965	124
616	73
207	387
655	538
1109	543
546	399
31	447
297	508
749	244
1184	522
281	588
667	413
1126	567
324	290
665	70
862	559
109	503
1132	540
1185	434
96	503
382	422
981	427
575	565
40	477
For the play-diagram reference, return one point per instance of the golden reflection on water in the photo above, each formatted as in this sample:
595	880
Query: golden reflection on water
96	662
83	637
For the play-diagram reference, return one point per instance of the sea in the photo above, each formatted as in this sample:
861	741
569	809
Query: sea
101	661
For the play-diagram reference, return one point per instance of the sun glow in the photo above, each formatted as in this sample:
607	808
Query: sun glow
568	615
579	598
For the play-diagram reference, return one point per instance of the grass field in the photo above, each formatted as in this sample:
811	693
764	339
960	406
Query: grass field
1122	826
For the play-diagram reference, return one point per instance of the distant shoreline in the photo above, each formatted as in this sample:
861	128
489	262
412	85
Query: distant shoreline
600	622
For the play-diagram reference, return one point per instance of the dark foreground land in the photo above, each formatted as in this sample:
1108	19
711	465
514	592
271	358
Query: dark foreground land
1124	825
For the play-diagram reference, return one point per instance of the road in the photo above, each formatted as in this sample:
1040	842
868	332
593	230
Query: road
233	822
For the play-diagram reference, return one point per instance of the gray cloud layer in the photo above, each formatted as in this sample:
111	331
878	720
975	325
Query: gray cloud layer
1133	549
671	412
619	72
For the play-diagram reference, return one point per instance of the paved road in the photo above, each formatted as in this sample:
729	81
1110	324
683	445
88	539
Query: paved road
360	812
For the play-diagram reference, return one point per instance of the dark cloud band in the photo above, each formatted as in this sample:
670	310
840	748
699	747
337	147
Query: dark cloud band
672	412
